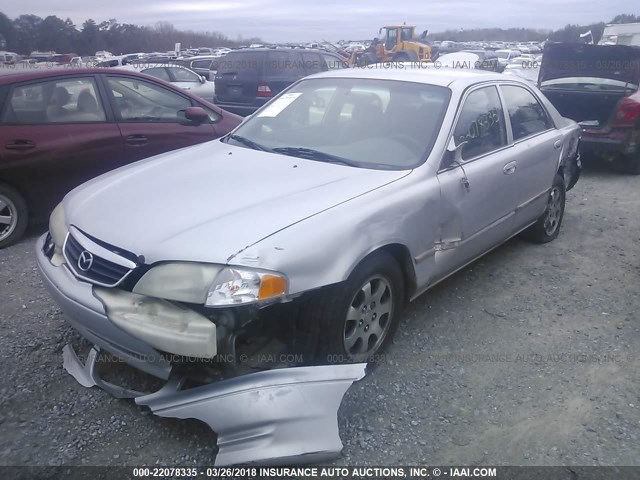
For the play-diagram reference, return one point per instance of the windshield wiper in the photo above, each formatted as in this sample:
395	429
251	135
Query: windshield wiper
311	154
248	143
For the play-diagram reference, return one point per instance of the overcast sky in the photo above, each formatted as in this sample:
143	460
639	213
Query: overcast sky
307	20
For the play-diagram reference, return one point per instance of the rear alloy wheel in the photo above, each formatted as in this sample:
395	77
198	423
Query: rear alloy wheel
547	227
13	216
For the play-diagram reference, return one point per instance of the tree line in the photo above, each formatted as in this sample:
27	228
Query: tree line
28	33
570	33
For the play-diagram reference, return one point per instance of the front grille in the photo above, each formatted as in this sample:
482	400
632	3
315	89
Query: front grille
100	271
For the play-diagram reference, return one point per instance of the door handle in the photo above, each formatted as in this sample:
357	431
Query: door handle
20	145
557	144
137	140
510	168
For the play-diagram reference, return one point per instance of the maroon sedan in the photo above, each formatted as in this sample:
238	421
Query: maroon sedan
62	127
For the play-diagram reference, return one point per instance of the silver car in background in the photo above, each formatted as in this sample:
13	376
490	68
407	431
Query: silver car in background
350	193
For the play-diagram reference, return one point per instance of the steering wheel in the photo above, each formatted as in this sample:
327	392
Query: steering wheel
409	142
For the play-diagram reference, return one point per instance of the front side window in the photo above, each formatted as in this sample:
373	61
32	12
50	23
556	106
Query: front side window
481	124
59	101
184	75
377	124
141	101
158	72
527	116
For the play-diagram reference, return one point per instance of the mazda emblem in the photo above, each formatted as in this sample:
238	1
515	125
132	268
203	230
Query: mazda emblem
85	260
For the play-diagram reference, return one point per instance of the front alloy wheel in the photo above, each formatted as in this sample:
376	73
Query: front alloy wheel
368	319
13	216
354	320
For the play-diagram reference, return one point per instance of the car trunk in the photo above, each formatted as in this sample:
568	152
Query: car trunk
238	76
593	109
586	82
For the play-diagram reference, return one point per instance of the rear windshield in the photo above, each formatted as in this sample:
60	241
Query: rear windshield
241	62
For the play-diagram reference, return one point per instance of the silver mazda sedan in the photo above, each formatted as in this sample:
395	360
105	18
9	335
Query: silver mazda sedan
349	194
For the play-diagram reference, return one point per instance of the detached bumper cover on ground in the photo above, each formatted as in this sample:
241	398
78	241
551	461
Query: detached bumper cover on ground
279	416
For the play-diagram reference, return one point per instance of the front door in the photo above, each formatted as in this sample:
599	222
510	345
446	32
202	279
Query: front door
479	193
151	118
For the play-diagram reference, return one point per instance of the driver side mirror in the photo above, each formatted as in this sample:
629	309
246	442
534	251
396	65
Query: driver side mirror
196	114
202	79
454	154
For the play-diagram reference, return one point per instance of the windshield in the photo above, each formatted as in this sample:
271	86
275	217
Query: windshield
588	83
378	124
502	54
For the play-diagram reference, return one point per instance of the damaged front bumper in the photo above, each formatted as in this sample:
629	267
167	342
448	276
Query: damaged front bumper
282	416
86	313
285	415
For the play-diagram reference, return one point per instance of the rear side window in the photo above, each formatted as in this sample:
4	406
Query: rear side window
69	100
481	124
527	116
200	64
289	64
241	62
313	63
334	63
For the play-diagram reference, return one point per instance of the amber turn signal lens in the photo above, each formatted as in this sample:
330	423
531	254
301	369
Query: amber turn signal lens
271	286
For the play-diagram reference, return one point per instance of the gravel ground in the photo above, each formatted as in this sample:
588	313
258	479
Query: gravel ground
530	356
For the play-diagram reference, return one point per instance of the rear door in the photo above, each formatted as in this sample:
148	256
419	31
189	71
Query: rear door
238	75
151	117
537	146
478	195
55	135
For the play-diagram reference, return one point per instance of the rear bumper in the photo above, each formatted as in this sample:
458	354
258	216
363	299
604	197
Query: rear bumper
614	142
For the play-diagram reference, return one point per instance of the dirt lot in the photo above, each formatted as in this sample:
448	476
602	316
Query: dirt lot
531	356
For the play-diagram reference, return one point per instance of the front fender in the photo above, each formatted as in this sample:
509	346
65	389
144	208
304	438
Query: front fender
326	248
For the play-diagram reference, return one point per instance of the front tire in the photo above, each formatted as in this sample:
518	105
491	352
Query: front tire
358	318
547	227
14	215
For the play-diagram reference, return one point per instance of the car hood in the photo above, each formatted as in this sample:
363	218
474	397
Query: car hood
210	201
615	62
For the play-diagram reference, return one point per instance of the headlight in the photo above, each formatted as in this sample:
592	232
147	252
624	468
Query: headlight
237	286
58	226
179	281
58	232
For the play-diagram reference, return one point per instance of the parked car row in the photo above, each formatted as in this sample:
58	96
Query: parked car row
60	128
379	184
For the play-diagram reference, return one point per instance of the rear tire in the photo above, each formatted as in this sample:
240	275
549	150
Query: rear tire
14	216
547	227
357	318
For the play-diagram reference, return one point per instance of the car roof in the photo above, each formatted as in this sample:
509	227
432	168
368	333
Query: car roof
426	73
23	75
